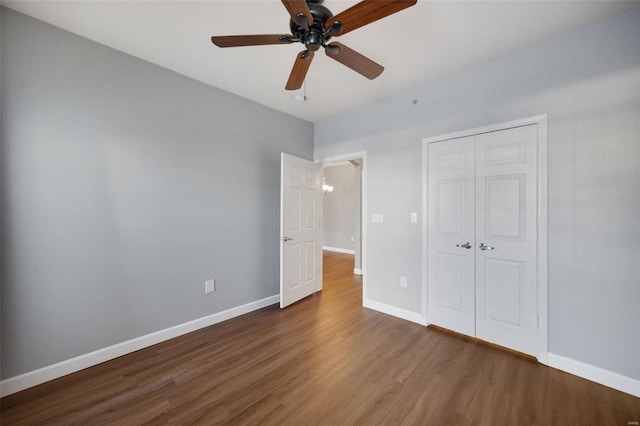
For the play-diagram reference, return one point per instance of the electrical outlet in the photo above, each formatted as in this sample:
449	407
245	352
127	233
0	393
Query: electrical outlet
413	217
403	281
210	286
353	239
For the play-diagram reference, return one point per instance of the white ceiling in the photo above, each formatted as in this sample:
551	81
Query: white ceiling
425	42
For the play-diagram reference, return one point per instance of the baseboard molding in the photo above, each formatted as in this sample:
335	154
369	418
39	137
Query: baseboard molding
45	374
596	374
394	311
357	271
339	250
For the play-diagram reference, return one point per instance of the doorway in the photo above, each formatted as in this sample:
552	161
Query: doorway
344	208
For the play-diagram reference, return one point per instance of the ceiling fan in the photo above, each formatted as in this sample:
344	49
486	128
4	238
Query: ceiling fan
314	25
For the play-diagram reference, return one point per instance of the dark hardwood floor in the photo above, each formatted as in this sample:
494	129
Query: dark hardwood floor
324	360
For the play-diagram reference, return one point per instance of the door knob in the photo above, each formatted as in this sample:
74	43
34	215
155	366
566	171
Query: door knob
285	239
483	246
466	245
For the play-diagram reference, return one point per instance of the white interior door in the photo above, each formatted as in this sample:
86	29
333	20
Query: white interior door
482	237
451	235
300	229
506	234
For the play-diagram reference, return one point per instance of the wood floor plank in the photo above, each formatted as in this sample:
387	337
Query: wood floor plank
325	360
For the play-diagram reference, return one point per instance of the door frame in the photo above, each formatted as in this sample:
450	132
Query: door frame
542	260
363	209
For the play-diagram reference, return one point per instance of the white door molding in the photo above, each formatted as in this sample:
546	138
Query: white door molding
541	122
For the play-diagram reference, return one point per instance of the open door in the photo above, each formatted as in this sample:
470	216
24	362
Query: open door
300	229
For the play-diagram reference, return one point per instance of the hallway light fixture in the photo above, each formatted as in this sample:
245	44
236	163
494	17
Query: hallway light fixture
326	188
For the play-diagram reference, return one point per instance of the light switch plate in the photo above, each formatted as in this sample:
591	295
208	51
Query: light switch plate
377	218
413	217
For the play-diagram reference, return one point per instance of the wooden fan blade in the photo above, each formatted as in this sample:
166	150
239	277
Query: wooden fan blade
299	71
250	40
366	12
297	7
354	60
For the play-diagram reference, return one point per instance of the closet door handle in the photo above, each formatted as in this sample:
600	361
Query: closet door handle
483	246
466	245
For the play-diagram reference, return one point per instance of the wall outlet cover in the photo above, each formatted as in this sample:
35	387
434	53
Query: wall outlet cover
210	286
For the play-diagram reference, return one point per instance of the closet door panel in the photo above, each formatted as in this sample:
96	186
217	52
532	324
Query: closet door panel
506	238
451	228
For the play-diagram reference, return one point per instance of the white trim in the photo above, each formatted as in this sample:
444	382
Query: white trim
54	371
394	311
425	218
357	271
337	164
339	250
363	210
341	158
595	374
543	316
536	119
541	122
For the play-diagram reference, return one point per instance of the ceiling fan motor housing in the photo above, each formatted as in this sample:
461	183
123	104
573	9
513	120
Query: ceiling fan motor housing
316	36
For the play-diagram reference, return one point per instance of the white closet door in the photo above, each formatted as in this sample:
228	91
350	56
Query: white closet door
451	242
506	238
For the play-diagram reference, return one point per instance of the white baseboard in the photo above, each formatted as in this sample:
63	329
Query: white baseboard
357	271
339	250
45	374
394	311
596	374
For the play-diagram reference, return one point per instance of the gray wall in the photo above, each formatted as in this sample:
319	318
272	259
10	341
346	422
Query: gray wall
588	82
124	187
338	207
